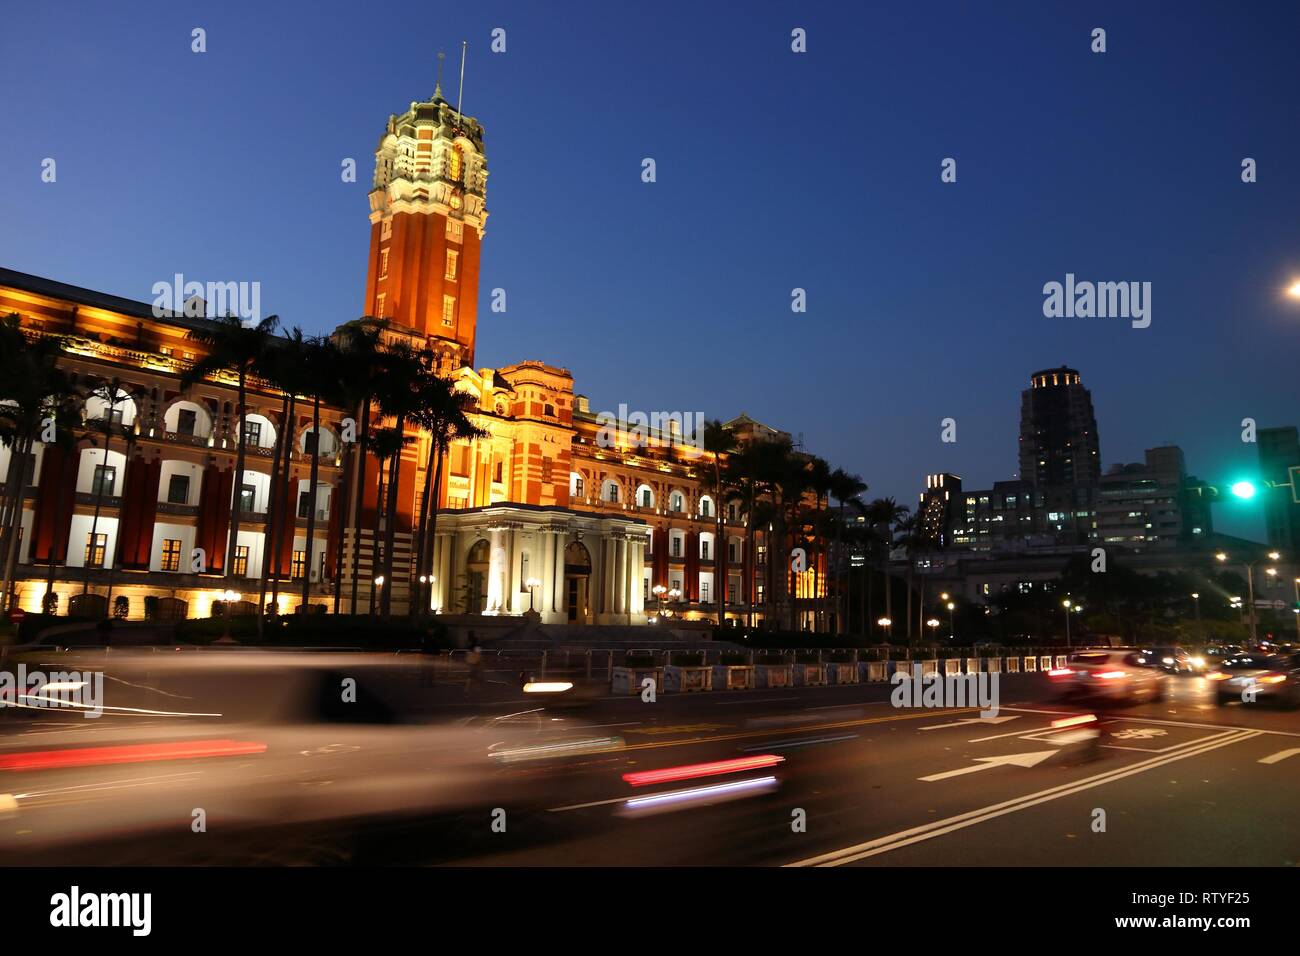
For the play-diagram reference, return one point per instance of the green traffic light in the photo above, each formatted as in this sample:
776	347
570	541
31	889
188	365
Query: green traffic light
1243	489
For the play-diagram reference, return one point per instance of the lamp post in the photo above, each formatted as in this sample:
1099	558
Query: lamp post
1196	599
1296	609
659	591
932	624
886	623
1067	604
1250	589
532	584
952	626
674	595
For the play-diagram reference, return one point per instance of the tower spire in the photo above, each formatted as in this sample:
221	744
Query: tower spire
464	44
437	89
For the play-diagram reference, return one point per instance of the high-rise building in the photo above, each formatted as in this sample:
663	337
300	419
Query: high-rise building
1279	472
1058	431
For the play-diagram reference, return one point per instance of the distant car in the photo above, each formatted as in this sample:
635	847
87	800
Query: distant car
1175	660
1273	677
563	688
1108	676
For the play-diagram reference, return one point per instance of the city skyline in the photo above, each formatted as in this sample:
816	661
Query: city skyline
577	285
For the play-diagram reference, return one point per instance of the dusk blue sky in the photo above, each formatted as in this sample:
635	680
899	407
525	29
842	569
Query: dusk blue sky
775	171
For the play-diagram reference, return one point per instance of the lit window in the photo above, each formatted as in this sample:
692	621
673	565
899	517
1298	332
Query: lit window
453	260
241	560
455	164
297	568
171	554
383	263
455	230
448	310
96	544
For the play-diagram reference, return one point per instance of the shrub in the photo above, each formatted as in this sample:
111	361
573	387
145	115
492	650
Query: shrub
121	607
686	658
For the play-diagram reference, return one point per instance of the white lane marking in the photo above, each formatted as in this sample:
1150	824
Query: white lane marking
1280	755
752	700
789	744
972	720
988	763
583	806
971	817
1156	720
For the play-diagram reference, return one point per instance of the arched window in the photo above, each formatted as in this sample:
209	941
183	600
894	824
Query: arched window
676	501
455	164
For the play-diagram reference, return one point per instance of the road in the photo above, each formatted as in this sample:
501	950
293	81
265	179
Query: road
1181	782
835	776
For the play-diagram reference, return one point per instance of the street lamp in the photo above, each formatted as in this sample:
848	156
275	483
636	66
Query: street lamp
532	584
659	591
1196	598
1067	604
1296	609
952	627
886	623
1250	587
674	595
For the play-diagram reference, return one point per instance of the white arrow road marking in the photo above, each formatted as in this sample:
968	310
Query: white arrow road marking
1280	755
937	828
972	720
987	763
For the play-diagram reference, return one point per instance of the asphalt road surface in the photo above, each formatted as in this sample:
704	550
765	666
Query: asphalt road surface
1182	782
834	776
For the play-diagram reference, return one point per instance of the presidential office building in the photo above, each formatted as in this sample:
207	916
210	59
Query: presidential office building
596	522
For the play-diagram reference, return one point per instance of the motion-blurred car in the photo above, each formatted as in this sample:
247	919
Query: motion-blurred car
1175	660
1272	677
263	742
1114	676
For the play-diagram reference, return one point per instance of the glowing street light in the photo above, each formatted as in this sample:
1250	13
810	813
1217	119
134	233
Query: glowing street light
532	584
1294	290
1244	489
886	623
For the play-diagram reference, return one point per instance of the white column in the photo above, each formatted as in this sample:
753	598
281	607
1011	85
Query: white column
620	575
496	571
561	589
636	596
545	556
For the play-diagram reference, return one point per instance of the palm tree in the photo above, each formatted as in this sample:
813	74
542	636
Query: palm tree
32	391
387	444
844	487
282	364
360	342
744	484
443	411
398	399
884	516
112	393
232	345
719	441
819	482
321	366
68	437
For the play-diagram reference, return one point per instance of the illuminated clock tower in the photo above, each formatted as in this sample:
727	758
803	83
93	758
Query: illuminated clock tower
427	215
